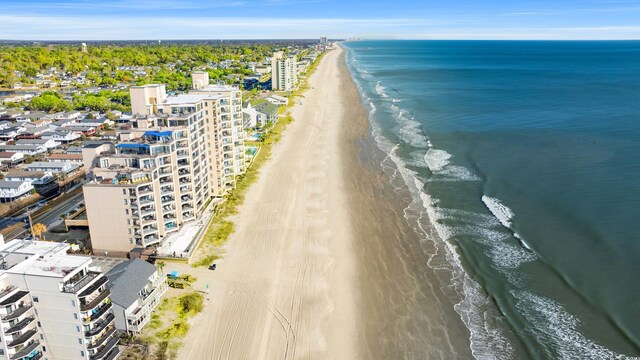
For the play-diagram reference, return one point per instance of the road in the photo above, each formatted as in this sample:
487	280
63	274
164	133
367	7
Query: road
48	218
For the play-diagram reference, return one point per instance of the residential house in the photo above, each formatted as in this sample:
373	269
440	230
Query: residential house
43	182
137	288
48	144
13	190
24	149
53	166
72	158
63	136
267	112
11	158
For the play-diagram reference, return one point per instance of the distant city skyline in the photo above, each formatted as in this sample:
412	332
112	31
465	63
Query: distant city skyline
289	19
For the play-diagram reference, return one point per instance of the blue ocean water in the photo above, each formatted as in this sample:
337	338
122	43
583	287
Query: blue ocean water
524	161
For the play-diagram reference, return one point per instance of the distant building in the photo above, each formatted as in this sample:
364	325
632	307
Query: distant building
284	72
323	40
83	47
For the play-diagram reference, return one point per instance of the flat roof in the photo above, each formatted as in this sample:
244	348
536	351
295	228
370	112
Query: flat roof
185	99
40	258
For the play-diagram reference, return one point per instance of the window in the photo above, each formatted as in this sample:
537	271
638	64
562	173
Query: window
35	299
39	325
125	201
44	349
75	316
73	303
128	221
77	328
79	341
126	211
124	192
41	337
81	353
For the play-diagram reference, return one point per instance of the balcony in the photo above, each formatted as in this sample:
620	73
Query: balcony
6	291
20	325
95	316
100	326
148	231
25	351
19	311
105	352
14	298
94	302
102	339
23	338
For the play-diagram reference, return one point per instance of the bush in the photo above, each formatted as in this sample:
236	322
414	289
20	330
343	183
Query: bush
190	304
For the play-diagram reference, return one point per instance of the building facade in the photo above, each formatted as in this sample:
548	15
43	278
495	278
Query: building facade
53	305
284	72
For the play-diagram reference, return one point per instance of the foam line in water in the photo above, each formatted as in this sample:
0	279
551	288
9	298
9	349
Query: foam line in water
557	330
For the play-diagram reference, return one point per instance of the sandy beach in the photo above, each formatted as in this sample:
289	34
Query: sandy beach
285	288
322	264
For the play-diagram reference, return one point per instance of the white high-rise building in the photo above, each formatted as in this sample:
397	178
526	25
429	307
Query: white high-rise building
53	305
284	72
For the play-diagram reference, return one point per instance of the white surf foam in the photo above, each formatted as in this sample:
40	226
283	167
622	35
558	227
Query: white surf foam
499	210
439	162
381	90
558	330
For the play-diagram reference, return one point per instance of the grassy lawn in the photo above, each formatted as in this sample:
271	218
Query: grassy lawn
168	325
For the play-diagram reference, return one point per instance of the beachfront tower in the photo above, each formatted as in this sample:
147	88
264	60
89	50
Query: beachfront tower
284	72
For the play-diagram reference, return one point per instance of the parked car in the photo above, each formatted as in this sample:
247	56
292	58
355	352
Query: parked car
212	267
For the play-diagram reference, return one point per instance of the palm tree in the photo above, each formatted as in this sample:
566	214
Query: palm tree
161	265
39	229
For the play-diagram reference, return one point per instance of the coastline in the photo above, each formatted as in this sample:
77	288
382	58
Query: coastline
323	264
402	304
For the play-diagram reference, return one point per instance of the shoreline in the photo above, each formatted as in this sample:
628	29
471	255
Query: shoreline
323	264
406	310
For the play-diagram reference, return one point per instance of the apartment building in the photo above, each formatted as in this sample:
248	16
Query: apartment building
149	186
228	133
181	151
284	72
53	305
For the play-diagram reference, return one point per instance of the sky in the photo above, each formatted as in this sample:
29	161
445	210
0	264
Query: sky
308	19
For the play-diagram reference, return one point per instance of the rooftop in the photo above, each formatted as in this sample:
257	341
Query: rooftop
185	99
128	279
39	258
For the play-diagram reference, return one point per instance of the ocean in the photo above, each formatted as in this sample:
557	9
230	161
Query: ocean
523	161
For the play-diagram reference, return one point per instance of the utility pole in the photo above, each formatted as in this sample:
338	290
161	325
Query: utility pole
33	236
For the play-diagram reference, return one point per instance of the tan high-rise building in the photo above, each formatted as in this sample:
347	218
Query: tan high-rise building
182	150
284	72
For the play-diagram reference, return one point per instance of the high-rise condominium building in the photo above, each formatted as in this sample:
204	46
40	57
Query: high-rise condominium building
181	151
284	72
53	305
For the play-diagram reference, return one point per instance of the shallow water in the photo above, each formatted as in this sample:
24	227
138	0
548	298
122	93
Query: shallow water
525	159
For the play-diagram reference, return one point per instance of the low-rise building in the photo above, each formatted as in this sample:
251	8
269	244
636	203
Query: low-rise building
24	149
53	166
136	290
48	144
278	100
13	190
